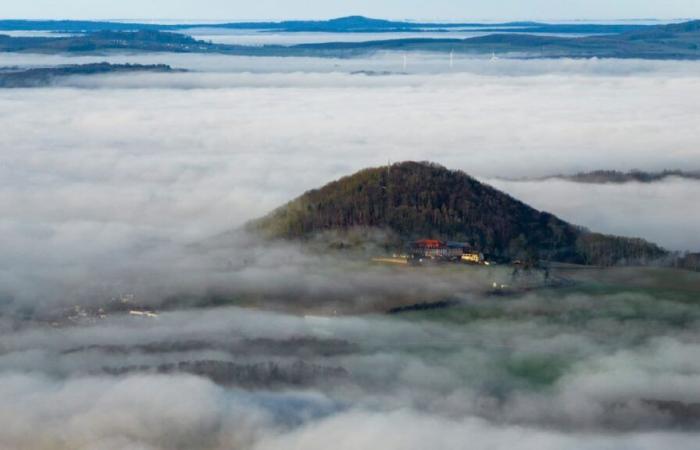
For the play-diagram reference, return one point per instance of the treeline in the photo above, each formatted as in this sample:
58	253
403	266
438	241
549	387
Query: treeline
144	40
688	261
603	250
614	176
419	200
44	76
259	375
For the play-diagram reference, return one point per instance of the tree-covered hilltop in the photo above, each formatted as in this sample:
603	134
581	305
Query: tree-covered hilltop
45	76
417	200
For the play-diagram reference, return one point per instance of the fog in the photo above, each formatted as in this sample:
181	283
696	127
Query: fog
121	192
135	160
658	211
530	376
430	63
267	37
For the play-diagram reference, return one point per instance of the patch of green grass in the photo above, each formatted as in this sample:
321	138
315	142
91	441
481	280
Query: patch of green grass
461	314
538	371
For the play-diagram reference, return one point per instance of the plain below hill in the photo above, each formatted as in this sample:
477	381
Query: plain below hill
412	200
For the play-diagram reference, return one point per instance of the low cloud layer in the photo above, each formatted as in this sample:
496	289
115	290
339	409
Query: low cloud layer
125	187
659	211
96	174
541	371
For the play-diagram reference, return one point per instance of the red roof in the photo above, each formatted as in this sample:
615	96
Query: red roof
429	243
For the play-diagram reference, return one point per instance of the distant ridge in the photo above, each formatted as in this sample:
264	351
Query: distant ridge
354	24
414	200
676	41
618	177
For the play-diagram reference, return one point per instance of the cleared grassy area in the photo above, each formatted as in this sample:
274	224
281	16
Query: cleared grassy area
671	284
621	295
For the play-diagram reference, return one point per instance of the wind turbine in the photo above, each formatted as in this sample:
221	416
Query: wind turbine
452	59
405	62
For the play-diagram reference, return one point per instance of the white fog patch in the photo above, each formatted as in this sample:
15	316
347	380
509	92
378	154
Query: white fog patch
159	413
658	211
91	177
144	412
270	37
378	63
409	383
123	185
530	368
407	430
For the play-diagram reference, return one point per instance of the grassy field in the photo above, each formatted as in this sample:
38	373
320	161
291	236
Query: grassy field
672	284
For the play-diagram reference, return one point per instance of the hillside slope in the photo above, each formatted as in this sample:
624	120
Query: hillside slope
417	200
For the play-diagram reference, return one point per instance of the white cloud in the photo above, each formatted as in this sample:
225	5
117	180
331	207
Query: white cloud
104	182
407	430
658	212
91	177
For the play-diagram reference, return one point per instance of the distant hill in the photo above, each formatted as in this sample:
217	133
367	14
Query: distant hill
413	200
36	77
349	24
617	177
677	41
142	40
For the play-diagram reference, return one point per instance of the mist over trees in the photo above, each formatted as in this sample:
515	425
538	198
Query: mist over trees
419	200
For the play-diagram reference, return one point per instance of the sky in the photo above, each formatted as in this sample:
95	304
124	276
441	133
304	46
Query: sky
322	9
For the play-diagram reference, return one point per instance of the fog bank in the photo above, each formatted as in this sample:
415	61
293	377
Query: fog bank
120	193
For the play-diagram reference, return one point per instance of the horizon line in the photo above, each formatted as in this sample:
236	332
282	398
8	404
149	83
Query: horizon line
185	21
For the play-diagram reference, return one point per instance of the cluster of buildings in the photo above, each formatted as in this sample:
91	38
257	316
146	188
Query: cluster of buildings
437	250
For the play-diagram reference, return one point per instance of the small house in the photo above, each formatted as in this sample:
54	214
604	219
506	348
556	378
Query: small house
437	249
473	257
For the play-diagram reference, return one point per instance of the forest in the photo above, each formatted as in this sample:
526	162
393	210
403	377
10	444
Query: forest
413	200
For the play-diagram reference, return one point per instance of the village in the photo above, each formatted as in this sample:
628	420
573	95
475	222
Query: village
436	251
507	277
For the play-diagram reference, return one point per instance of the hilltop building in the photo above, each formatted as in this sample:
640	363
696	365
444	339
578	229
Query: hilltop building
472	257
434	249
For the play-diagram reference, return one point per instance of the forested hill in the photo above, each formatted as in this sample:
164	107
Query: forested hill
676	41
142	40
46	76
423	200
